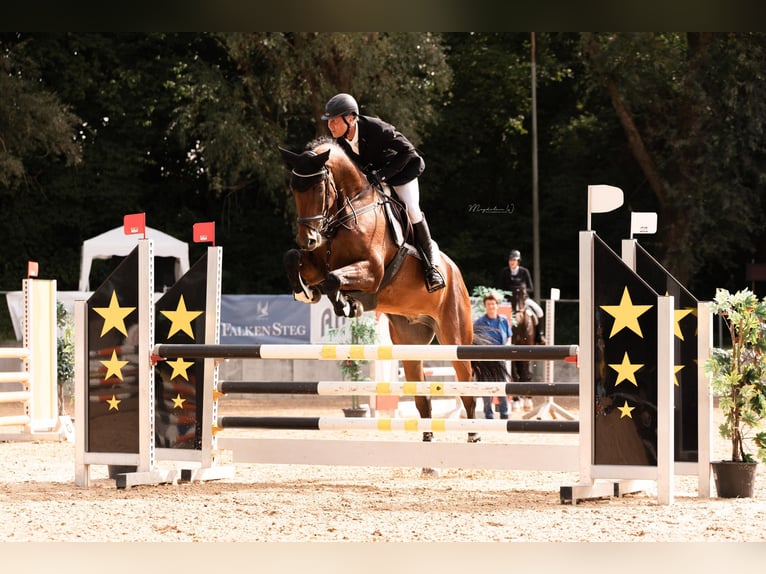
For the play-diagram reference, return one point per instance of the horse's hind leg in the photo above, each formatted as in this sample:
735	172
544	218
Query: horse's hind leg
413	371
463	373
404	332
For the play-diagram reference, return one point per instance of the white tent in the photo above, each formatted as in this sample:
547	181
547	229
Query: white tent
115	242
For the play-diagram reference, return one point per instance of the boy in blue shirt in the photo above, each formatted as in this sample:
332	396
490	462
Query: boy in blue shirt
497	329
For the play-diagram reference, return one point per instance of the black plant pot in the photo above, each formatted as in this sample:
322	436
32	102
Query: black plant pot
734	479
357	412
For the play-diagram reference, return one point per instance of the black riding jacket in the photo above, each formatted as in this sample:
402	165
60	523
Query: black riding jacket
384	150
508	282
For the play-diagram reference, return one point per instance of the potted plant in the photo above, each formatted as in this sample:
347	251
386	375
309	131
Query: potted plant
737	379
356	331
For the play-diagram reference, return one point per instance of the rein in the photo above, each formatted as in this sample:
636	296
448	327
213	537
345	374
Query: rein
329	223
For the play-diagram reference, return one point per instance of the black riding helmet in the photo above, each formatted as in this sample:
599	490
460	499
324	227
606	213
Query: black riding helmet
514	254
340	105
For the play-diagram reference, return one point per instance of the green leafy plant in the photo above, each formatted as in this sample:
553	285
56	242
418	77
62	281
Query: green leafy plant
64	352
356	331
737	373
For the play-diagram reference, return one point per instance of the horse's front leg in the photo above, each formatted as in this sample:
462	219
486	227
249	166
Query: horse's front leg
359	276
362	275
302	291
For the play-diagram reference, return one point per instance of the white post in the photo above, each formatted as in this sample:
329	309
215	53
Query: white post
665	414
704	399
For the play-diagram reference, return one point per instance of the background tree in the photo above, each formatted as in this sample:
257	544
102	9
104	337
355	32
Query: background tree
270	91
186	127
687	108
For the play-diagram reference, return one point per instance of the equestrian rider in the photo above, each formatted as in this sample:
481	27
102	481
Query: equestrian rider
385	156
511	278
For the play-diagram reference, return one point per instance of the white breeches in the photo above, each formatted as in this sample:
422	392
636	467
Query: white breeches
532	304
409	194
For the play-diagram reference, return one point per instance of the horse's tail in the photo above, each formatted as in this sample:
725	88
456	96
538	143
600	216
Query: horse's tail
487	370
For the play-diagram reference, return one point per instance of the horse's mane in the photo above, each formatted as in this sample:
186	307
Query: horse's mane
335	149
321	140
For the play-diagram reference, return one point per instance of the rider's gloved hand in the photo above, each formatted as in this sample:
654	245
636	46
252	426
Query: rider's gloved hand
373	176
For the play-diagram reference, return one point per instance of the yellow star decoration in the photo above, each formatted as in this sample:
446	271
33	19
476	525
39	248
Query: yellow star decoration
178	402
113	366
625	410
678	315
676	368
626	314
626	371
180	319
180	368
113	402
114	316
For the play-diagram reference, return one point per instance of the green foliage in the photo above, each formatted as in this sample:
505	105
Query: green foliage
185	126
35	123
356	331
64	345
690	122
737	375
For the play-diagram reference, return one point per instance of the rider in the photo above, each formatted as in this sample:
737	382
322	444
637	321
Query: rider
385	156
511	277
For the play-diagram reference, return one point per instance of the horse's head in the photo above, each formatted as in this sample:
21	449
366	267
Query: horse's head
519	297
323	177
310	184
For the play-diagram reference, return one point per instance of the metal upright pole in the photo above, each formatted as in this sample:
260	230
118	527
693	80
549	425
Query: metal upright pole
535	202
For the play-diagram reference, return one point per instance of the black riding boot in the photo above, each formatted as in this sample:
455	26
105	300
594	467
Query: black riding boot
539	338
434	279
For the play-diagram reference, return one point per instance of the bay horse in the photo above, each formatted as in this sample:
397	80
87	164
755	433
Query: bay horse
523	333
351	252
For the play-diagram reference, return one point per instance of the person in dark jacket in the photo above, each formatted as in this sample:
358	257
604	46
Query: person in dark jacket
511	278
386	157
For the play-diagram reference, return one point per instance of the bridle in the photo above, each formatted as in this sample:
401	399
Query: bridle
328	223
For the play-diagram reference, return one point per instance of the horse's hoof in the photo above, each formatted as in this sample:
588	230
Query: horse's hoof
357	309
428	436
311	297
474	437
429	473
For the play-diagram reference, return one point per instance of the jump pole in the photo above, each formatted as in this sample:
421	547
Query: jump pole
398	424
398	388
371	352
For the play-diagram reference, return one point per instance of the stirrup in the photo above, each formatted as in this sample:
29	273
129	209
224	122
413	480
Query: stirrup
434	280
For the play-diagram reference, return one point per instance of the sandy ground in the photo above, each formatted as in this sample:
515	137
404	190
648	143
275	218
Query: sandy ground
277	503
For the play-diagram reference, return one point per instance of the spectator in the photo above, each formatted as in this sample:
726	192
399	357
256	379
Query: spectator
511	278
497	330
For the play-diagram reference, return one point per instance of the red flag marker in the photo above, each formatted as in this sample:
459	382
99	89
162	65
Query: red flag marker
32	269
135	223
204	232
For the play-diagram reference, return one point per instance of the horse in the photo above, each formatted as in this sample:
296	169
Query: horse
352	252
523	334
